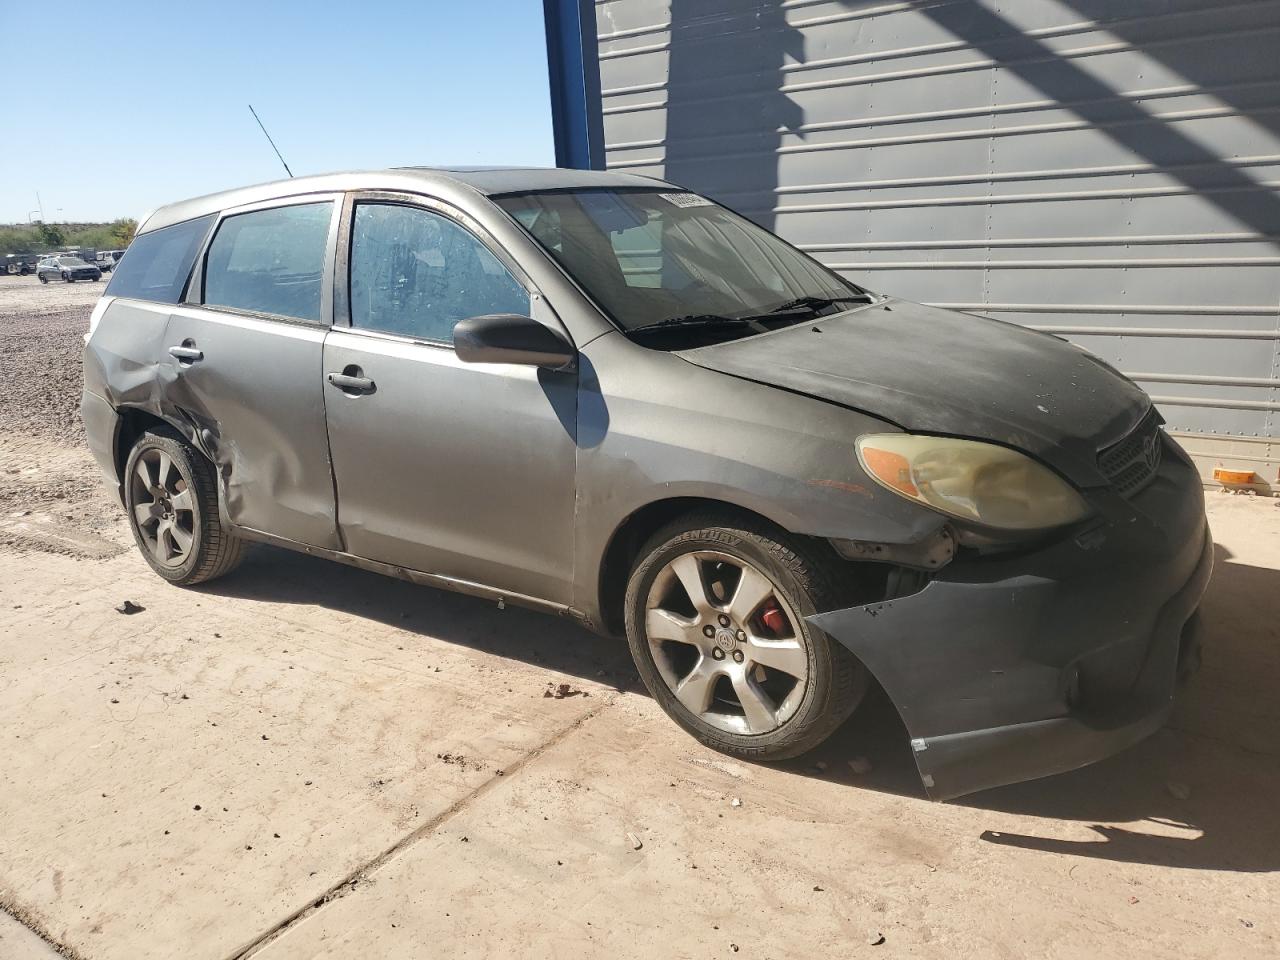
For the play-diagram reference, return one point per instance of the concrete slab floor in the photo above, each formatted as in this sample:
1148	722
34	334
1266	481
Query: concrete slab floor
306	709
18	942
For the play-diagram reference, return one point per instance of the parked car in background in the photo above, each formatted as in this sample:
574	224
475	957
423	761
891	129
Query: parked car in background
67	268
107	259
604	396
19	264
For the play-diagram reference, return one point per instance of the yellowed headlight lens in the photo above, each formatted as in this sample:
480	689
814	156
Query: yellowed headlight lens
982	482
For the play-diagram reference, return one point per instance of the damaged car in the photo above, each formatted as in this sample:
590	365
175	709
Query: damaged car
603	396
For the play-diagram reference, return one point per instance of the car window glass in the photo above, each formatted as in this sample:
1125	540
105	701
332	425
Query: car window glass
417	273
647	256
639	252
158	263
270	261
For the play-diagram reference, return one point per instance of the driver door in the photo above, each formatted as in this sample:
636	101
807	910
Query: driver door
458	470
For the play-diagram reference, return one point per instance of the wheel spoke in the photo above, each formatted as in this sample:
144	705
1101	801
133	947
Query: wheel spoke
164	470
160	546
143	472
181	501
788	656
142	513
695	690
755	705
181	539
662	624
688	569
753	589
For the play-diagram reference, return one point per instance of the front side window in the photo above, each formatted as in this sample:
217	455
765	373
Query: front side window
675	269
270	261
416	273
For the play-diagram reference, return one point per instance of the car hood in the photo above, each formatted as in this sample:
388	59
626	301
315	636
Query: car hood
930	370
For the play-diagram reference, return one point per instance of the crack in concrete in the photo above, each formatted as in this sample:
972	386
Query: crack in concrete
363	873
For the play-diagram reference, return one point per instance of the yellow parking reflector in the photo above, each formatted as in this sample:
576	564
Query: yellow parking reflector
1233	476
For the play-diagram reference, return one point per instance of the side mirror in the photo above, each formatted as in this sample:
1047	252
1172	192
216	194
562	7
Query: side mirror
511	338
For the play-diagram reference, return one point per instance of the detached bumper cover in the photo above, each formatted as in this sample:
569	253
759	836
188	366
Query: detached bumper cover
1007	669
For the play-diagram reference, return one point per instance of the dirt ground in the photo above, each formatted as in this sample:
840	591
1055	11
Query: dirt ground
306	760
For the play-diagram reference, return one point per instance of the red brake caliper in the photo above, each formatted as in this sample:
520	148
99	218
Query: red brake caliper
773	618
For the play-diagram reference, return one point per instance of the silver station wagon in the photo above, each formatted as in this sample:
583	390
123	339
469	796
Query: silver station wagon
607	397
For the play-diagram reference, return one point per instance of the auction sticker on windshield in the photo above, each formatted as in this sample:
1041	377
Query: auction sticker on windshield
685	199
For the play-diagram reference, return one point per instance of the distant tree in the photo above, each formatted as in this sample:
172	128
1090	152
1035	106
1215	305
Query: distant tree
101	237
15	240
50	234
123	230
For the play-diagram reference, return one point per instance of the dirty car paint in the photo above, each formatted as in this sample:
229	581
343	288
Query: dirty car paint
936	371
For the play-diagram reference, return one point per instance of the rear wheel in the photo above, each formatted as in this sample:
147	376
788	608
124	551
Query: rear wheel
172	502
715	615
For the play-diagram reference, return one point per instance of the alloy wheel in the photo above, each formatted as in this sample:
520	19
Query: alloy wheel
726	642
163	507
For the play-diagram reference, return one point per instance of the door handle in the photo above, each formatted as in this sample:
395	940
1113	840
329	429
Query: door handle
350	381
187	353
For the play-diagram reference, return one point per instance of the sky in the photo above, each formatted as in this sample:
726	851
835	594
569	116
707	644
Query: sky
130	105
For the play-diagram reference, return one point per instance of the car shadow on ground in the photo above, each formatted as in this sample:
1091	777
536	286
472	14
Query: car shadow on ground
1199	794
558	644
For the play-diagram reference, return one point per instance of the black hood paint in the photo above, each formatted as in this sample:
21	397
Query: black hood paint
936	371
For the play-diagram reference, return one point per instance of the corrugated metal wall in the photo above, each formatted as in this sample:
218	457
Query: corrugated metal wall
1102	170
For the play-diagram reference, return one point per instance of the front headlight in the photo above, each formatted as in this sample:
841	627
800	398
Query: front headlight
981	482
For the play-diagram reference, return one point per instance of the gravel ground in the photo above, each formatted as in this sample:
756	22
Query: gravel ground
51	496
41	339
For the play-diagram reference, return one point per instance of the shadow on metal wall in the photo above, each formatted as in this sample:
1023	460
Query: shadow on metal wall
725	81
1124	120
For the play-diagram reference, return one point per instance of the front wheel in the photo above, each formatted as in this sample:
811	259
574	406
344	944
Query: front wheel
67	277
43	278
715	613
172	501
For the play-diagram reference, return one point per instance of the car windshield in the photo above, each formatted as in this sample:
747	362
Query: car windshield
72	262
675	269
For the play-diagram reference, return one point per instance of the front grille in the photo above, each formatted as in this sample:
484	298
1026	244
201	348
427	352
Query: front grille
1132	463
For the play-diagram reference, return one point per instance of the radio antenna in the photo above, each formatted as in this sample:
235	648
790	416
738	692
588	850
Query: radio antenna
270	141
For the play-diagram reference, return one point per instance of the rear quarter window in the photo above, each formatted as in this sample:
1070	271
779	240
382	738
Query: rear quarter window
158	264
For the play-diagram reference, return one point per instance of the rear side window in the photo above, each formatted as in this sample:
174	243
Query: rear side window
270	261
158	264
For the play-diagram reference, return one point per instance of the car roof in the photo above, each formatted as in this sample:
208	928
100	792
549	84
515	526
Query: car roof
443	181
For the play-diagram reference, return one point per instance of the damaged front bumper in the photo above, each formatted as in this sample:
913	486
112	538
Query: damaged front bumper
1007	669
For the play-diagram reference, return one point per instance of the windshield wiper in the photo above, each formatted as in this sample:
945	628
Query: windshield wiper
817	303
697	320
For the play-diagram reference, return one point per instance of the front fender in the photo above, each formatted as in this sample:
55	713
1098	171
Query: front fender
653	427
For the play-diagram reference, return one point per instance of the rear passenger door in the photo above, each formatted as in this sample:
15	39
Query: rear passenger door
244	354
460	470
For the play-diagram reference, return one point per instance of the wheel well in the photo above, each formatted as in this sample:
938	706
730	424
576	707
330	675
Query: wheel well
133	424
631	536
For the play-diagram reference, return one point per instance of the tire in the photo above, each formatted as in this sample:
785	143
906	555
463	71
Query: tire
804	580
67	277
43	278
211	551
